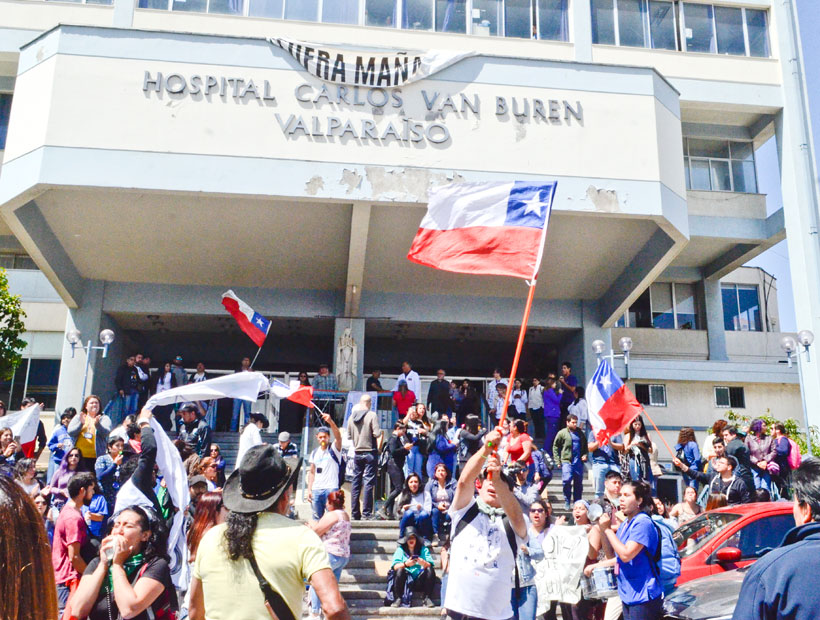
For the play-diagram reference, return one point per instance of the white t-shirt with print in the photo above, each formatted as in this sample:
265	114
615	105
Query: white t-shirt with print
327	468
481	567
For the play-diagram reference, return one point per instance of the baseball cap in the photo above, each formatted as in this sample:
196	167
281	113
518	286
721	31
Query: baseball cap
284	436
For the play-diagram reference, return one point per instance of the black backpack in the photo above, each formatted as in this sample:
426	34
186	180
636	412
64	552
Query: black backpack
471	514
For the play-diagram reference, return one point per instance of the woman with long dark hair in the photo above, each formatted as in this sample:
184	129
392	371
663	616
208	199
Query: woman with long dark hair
89	430
410	506
131	574
209	512
635	542
637	451
27	590
25	474
441	450
216	455
438	495
687	451
58	487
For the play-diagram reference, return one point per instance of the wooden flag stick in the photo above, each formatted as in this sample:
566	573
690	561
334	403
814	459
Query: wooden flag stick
521	334
657	430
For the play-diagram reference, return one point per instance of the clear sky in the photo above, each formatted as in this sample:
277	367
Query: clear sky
776	260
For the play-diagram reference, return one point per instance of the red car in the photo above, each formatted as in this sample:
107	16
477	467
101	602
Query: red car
730	537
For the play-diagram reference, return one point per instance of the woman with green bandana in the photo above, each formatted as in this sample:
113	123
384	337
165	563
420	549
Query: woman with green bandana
131	577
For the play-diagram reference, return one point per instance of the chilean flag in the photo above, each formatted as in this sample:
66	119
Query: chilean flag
252	323
611	405
485	228
23	425
302	394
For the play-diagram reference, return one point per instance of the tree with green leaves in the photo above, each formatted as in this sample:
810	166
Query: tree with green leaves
11	328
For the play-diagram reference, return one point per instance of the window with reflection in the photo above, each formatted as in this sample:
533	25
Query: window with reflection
720	165
631	23
451	16
603	22
302	10
663	30
226	7
757	28
266	8
5	112
340	12
380	13
418	15
487	17
699	28
518	19
729	28
552	20
741	308
191	6
664	305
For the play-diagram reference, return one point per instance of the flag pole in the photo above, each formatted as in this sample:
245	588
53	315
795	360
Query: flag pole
255	356
521	334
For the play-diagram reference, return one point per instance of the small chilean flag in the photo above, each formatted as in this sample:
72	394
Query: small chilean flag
610	403
23	425
485	228
302	394
252	323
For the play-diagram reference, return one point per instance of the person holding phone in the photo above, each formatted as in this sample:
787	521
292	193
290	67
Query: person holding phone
411	571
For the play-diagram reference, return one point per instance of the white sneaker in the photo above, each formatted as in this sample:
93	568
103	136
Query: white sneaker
313	616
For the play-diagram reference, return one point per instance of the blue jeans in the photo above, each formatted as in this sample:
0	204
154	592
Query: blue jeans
762	478
238	404
651	610
337	563
131	404
440	520
421	521
524	607
320	502
572	477
550	431
415	463
599	472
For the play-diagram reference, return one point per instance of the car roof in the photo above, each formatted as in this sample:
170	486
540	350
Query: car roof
756	508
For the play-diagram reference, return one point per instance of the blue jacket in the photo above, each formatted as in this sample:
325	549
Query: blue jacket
691	454
442	451
783	583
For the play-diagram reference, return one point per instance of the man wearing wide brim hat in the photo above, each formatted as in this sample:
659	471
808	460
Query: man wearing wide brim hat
286	553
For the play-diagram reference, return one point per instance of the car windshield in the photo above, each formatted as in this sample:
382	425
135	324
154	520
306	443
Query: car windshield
700	530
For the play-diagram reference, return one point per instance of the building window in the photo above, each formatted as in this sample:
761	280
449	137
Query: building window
651	394
635	23
5	111
741	308
725	30
36	378
17	261
663	305
730	397
719	165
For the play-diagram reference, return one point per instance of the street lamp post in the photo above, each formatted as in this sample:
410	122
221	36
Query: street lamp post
805	338
599	348
74	339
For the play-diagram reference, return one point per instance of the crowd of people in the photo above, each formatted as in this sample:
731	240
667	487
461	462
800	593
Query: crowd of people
472	504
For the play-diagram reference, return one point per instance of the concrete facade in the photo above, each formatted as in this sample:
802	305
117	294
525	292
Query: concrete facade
249	192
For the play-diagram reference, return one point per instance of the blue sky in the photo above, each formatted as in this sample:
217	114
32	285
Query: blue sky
776	260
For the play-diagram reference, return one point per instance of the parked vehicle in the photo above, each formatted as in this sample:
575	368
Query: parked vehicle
708	598
731	537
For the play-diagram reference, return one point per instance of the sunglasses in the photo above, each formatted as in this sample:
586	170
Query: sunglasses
536	510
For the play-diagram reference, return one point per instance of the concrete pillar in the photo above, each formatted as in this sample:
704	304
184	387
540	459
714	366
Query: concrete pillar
578	349
801	198
89	319
580	20
715	329
357	330
124	13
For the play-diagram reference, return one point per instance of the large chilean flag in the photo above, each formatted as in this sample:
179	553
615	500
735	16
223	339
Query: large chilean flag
611	405
485	228
252	323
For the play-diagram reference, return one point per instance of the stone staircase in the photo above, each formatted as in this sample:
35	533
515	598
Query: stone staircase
363	581
229	445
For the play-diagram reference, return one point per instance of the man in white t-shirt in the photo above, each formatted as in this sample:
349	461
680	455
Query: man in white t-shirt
251	436
323	476
411	377
482	561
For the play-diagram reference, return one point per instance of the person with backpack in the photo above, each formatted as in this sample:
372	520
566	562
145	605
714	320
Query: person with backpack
469	439
391	459
636	543
487	532
326	466
667	559
787	457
